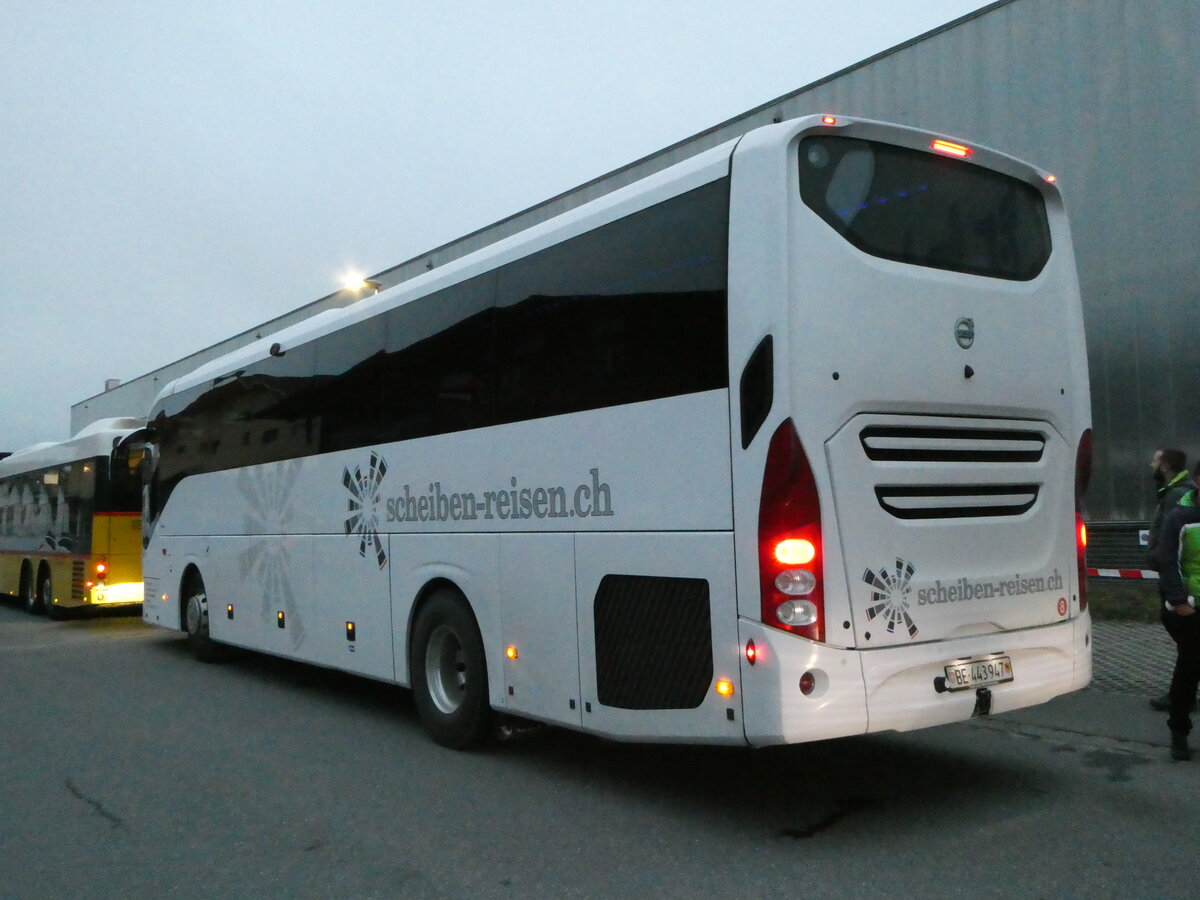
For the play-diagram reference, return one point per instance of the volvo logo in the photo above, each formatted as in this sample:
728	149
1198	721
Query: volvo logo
964	333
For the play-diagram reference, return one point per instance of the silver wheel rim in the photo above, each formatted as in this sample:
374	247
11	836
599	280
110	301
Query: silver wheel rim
195	614
445	670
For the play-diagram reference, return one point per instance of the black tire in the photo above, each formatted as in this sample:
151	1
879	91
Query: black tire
29	596
46	597
194	614
449	672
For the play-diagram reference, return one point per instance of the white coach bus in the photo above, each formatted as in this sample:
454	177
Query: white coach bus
783	443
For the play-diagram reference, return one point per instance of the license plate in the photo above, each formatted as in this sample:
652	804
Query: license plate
978	673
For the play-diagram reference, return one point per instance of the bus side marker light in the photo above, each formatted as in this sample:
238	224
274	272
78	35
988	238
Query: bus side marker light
947	148
808	683
1051	179
229	611
828	120
511	652
351	634
279	619
751	652
725	687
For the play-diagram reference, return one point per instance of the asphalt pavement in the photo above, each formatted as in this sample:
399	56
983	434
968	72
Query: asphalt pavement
1131	662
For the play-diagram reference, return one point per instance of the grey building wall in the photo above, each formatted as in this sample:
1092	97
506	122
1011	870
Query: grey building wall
1106	94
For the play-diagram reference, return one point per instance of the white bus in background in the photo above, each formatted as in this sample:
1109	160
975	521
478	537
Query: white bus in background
783	443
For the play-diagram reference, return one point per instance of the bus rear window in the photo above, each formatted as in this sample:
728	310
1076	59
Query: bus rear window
915	207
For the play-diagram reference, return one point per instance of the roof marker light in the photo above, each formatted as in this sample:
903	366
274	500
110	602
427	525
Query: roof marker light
948	148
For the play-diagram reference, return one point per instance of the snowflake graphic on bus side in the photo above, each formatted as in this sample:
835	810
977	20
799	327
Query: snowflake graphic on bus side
362	505
890	594
266	565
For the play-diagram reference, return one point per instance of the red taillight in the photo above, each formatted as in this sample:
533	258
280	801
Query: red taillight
101	570
1083	475
789	539
948	148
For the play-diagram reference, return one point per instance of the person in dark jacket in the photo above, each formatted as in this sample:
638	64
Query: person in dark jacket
1172	482
1179	586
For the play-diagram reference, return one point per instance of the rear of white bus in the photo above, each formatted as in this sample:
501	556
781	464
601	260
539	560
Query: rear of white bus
910	414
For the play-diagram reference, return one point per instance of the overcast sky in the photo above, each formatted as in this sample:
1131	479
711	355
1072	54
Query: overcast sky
175	172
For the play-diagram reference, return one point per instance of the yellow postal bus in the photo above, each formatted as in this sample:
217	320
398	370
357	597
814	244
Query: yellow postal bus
70	520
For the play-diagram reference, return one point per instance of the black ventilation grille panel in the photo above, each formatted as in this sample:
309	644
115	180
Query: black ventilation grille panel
653	642
902	443
941	501
78	571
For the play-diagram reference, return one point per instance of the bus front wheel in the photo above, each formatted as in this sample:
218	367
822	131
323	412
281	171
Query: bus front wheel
195	622
449	672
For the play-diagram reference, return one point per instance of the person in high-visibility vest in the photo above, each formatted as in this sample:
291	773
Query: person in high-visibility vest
1172	483
1179	586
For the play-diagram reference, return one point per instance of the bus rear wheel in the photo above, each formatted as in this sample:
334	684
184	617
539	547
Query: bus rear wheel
29	596
449	672
195	621
46	597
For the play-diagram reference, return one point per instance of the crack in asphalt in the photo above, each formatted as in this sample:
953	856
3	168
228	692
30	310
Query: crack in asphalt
96	805
845	808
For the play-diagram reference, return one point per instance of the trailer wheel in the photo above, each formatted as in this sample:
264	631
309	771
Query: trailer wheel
195	621
449	672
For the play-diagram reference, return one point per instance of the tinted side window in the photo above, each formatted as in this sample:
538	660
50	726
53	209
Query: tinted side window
347	386
256	415
928	210
439	370
633	311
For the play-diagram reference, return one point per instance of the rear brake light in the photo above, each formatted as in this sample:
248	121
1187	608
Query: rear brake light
789	539
1083	475
948	148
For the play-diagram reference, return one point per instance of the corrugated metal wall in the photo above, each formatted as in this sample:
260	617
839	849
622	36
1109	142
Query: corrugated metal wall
1105	93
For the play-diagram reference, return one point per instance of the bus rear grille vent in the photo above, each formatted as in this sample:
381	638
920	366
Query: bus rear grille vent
959	501
78	568
653	642
904	443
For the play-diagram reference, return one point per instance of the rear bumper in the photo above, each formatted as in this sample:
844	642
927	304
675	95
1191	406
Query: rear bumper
894	688
108	595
